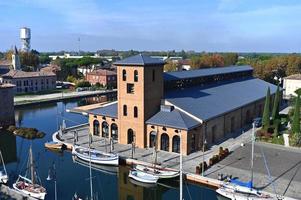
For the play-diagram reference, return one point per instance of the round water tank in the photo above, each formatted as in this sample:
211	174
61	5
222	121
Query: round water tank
25	33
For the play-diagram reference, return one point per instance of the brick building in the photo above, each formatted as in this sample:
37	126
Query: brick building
30	81
7	113
202	105
104	77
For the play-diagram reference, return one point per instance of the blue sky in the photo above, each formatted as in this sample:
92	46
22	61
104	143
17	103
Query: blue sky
201	25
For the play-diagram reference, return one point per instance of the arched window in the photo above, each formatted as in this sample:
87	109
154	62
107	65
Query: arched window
136	76
176	144
192	143
130	136
135	112
114	131
96	127
125	110
152	139
164	142
124	75
105	129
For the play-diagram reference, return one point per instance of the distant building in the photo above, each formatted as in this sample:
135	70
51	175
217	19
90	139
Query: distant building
7	115
28	81
290	85
154	107
102	76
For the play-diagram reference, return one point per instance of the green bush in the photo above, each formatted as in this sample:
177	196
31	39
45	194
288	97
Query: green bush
83	84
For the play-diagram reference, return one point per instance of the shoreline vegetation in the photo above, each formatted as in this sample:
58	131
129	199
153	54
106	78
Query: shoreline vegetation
27	133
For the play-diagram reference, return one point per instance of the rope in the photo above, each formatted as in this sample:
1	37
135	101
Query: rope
188	190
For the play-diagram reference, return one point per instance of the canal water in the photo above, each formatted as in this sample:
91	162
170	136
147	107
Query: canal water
73	177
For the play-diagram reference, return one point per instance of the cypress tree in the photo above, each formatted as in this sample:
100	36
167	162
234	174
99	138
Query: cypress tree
296	117
266	112
275	111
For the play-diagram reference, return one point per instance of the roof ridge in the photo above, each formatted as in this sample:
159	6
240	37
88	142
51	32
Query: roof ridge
142	58
181	114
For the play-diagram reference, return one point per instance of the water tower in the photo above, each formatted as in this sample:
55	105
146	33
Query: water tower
25	39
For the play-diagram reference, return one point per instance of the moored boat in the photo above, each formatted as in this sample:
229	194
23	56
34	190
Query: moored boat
95	156
30	187
143	177
3	174
55	145
159	172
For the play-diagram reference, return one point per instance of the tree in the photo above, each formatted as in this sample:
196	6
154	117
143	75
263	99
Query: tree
170	66
266	112
275	111
296	117
230	58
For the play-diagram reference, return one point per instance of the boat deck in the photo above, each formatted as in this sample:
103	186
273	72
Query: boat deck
8	192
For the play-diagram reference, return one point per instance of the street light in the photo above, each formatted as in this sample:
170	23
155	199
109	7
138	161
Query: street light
52	176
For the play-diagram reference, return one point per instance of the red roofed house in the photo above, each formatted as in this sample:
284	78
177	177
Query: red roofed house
104	77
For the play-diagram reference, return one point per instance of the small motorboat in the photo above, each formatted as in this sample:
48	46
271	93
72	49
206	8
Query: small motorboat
143	177
55	145
95	156
162	173
76	197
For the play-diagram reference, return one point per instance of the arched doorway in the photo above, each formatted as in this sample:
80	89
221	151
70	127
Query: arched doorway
164	142
105	129
114	131
96	127
152	139
130	136
176	144
192	143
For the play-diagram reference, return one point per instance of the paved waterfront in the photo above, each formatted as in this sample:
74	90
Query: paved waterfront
166	159
29	99
283	163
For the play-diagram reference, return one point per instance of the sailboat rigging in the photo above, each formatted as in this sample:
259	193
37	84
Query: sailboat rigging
30	186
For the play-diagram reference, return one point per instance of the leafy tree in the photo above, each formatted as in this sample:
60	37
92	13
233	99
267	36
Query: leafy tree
275	111
83	84
296	117
170	66
71	79
266	112
230	58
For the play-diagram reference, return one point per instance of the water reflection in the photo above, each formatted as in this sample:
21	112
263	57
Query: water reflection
73	177
8	147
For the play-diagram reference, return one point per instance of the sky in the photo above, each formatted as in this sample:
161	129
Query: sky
199	25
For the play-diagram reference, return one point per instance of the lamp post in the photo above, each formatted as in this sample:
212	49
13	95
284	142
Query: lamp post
52	176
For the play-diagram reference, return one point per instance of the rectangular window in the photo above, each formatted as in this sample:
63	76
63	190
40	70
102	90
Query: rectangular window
153	75
130	88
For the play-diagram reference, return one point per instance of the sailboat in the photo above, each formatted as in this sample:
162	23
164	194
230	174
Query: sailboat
148	174
3	174
30	187
238	190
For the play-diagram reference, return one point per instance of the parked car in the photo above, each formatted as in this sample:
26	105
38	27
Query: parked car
258	122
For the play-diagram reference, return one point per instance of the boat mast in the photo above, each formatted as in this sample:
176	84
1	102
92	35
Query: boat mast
252	156
181	170
155	148
90	168
32	173
3	163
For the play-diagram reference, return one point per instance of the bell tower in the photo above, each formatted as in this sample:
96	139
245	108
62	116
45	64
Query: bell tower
140	90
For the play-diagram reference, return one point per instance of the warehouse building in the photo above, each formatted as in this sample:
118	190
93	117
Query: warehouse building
154	107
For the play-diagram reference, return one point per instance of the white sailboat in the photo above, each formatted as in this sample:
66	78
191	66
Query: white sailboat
149	174
237	190
97	157
30	187
3	174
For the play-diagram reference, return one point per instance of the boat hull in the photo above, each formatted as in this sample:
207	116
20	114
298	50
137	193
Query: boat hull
161	173
3	179
143	177
108	159
55	145
40	196
234	195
